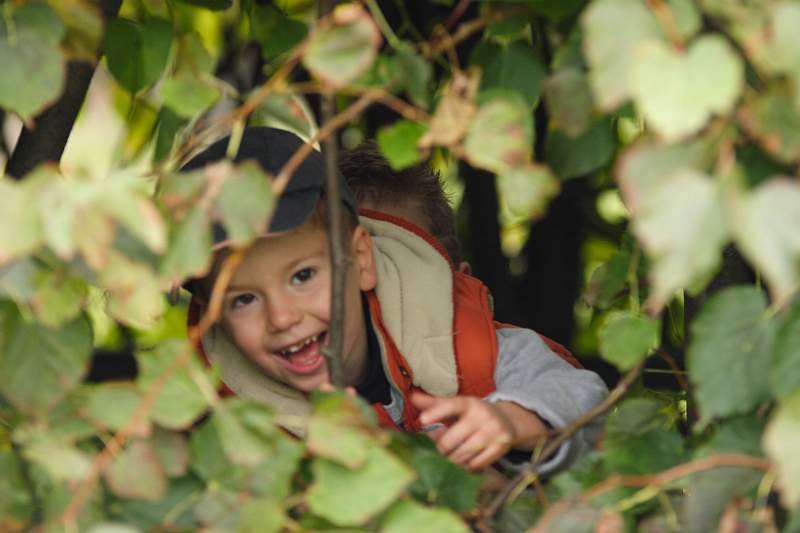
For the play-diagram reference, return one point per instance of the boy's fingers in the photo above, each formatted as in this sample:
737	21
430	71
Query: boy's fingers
489	455
420	400
442	409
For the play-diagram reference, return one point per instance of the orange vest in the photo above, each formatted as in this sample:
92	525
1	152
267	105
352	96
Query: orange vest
474	337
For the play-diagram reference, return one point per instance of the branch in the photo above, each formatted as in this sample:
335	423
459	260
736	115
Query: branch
565	434
46	140
677	472
84	489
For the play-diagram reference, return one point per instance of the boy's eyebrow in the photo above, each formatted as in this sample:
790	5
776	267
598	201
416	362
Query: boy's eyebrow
288	267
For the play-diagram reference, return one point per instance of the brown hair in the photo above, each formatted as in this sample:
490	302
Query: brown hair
373	181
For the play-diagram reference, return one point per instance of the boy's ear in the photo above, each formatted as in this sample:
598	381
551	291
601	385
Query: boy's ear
364	258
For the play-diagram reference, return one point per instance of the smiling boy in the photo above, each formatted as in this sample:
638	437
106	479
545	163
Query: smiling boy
420	348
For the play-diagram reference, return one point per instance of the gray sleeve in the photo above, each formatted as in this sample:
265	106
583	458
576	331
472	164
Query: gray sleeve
528	373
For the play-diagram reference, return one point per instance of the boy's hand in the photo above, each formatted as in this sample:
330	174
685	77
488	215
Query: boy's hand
481	432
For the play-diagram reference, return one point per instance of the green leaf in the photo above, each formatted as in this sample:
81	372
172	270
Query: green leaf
569	101
588	152
500	135
772	118
244	444
515	67
39	366
285	111
613	31
274	31
59	297
169	125
781	442
678	93
637	441
245	203
137	52
188	96
215	5
440	481
767	229
113	404
687	18
337	430
411	516
134	293
785	370
15	499
172	450
150	515
611	278
180	401
129	204
189	253
526	190
136	473
340	52
113	527
192	56
61	461
208	459
31	59
351	497
262	515
556	11
218	509
626	338
729	354
680	222
414	75
579	518
21	229
398	143
273	477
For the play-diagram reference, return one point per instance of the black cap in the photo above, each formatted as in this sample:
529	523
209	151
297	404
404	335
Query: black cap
272	148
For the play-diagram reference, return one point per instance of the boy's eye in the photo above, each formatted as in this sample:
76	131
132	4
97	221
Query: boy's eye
243	299
301	276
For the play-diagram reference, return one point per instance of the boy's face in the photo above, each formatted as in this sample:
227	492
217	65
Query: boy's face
277	306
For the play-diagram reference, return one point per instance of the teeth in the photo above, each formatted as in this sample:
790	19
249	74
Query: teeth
299	346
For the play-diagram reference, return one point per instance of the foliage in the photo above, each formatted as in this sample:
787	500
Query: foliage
696	104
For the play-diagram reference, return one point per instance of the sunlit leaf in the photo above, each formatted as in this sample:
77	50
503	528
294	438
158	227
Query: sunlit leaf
341	51
500	135
188	96
398	143
680	222
338	431
113	404
526	190
772	118
626	338
192	55
273	477
189	253
21	229
767	230
453	114
84	28
60	460
136	473
246	445
180	401
351	497
732	331
678	93
261	515
245	203
613	31
31	59
415	74
40	366
285	111
411	516
137	52
781	441
134	295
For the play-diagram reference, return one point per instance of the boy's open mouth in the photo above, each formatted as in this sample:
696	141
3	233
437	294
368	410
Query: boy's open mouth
304	357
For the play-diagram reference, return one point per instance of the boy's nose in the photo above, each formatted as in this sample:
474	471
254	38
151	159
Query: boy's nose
281	315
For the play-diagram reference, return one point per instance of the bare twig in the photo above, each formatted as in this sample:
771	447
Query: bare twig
677	472
400	106
562	436
466	29
84	490
683	383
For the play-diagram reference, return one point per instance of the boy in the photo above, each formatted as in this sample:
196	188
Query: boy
421	349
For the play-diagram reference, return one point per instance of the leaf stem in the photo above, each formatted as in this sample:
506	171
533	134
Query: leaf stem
380	20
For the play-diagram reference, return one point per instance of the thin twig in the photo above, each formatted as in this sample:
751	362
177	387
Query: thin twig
84	489
677	472
565	434
683	383
468	28
400	106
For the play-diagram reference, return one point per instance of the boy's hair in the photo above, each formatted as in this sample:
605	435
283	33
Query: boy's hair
373	181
